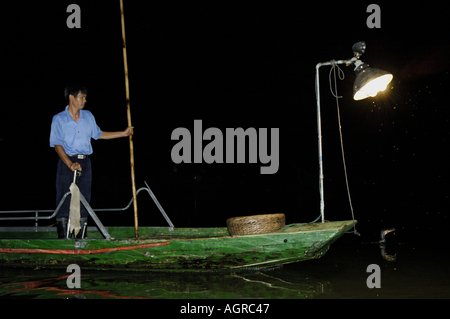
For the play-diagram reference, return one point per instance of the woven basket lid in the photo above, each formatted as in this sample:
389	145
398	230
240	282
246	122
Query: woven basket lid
256	224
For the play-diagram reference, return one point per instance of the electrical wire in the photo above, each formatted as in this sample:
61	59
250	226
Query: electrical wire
334	66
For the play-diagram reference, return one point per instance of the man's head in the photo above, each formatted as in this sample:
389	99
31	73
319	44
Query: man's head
74	89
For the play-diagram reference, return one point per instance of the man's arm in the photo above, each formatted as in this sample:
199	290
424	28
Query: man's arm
63	156
111	135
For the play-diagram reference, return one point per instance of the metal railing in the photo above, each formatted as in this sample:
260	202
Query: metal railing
91	211
149	191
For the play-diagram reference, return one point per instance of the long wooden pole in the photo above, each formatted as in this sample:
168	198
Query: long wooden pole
127	92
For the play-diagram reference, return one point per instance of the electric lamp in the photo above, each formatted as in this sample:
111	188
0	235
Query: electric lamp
368	82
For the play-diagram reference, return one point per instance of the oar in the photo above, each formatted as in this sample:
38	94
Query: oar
127	92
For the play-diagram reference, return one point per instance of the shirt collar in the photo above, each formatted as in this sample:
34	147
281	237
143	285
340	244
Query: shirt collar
68	114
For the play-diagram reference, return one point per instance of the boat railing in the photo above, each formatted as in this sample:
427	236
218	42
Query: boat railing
149	191
83	200
91	212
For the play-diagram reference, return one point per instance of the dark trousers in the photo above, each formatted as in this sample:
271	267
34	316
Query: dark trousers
64	177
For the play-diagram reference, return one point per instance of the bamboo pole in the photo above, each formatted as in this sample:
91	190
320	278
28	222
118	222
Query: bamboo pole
127	92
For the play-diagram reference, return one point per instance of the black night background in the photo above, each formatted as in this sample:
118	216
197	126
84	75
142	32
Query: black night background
235	64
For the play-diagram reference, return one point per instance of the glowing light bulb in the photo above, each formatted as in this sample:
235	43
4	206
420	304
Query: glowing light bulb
372	88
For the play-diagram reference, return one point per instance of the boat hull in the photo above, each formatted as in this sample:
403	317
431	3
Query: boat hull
184	249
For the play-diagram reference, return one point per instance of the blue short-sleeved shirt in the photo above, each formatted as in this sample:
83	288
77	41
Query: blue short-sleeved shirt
74	137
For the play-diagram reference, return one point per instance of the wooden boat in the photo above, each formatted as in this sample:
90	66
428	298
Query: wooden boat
168	248
160	249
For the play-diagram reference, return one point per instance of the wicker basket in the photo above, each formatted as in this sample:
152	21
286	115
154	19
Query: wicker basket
256	224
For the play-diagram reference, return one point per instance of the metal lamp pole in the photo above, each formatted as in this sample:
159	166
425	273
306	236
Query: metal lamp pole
319	129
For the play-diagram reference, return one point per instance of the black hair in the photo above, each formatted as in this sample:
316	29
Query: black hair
74	89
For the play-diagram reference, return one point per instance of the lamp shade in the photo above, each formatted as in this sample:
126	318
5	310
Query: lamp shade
369	82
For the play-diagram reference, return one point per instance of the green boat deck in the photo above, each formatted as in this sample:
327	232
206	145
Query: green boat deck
127	232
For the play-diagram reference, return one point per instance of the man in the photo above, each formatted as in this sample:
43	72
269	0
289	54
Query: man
70	135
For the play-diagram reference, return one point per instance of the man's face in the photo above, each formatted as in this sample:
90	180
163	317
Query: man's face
79	101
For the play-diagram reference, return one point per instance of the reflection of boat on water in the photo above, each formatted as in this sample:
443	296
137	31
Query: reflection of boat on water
276	284
283	285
